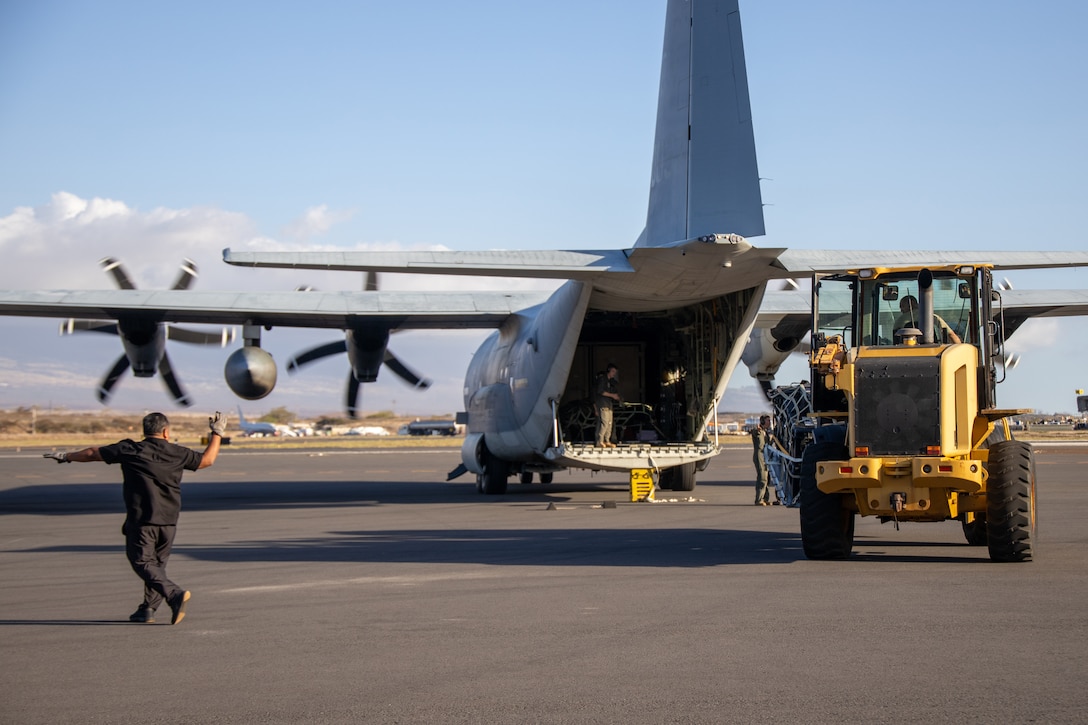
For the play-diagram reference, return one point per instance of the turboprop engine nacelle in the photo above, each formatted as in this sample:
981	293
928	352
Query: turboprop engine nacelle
764	354
366	352
144	343
250	372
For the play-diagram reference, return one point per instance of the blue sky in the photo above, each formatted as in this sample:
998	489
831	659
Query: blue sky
151	132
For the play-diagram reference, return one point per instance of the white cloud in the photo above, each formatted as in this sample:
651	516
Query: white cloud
1036	334
315	221
58	246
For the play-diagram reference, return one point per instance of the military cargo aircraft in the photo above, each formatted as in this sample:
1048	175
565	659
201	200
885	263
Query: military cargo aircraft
675	312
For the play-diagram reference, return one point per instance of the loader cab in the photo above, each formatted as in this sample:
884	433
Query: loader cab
893	309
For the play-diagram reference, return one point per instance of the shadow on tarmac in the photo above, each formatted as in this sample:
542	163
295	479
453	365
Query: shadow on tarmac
102	498
620	547
675	548
615	547
67	622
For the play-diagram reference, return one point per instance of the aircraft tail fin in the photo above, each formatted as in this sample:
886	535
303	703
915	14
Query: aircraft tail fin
704	178
241	417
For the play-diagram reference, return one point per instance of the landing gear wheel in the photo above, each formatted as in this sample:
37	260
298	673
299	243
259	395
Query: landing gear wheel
827	527
678	478
526	477
492	482
546	477
974	529
1010	501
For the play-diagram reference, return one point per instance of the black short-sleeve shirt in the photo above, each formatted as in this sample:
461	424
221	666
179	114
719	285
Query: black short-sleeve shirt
152	471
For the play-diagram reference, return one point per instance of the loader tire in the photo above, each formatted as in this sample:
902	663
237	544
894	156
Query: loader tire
827	527
975	530
1010	501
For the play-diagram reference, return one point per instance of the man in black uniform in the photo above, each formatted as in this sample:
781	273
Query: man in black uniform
152	470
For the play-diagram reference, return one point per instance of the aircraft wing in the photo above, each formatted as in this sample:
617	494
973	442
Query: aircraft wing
784	320
336	310
780	305
806	262
1022	305
407	310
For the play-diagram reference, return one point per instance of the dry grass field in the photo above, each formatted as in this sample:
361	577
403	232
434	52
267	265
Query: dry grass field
70	430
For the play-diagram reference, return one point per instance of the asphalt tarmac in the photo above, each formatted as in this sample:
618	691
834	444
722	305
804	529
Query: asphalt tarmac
361	587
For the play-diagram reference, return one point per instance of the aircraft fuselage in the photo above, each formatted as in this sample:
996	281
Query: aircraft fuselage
529	388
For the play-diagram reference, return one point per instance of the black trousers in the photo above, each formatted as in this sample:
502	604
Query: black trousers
148	548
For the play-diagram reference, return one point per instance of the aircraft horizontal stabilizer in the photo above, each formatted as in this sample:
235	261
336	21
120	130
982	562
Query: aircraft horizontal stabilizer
546	264
805	262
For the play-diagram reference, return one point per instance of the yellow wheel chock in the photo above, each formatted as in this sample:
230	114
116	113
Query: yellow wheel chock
642	484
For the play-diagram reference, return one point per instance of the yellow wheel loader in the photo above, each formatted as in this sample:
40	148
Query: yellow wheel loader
903	423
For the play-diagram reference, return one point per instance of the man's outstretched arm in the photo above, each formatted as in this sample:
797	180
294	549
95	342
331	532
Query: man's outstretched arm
84	456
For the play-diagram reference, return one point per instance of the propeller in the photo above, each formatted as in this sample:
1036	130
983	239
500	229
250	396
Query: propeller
361	352
144	339
366	347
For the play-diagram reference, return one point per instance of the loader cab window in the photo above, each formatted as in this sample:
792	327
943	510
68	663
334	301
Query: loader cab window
891	309
833	299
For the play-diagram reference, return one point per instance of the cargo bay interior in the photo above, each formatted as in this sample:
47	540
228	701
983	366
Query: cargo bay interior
668	364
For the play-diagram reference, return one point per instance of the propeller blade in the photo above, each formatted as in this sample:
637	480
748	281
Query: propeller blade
195	337
105	388
332	348
113	267
404	372
186	276
166	372
141	333
71	326
352	396
1012	360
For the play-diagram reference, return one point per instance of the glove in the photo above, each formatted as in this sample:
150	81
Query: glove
218	424
58	457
